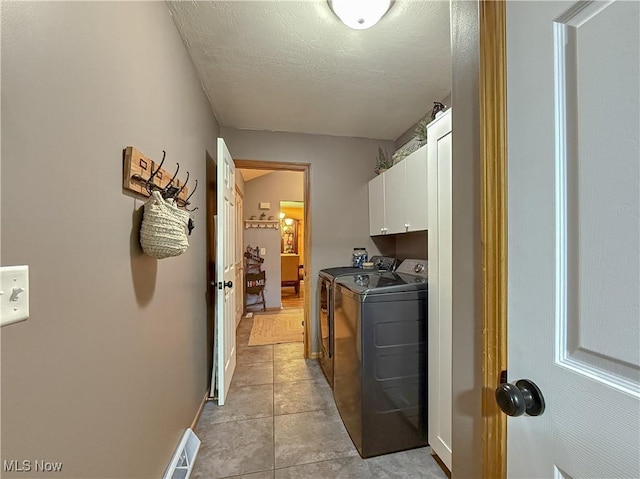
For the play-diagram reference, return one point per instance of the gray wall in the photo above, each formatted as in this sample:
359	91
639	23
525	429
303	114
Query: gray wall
111	366
467	267
340	171
403	245
412	245
272	188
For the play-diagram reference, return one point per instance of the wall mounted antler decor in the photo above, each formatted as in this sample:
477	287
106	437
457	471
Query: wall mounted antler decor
143	175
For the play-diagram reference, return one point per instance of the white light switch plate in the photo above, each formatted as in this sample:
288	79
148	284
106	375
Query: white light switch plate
263	251
14	294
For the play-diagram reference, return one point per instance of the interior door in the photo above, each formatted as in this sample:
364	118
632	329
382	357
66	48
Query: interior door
573	237
239	247
225	271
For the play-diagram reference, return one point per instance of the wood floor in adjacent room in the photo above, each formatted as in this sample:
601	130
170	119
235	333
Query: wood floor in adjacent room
289	298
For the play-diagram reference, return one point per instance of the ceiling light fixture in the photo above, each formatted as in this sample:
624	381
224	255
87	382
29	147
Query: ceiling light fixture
360	14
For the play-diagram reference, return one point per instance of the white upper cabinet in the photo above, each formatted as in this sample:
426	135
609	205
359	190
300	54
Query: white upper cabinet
416	174
398	197
376	206
395	198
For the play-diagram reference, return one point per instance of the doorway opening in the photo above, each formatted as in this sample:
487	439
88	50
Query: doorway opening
276	225
292	254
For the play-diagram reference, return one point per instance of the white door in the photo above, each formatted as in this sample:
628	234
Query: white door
239	246
225	271
395	198
440	287
417	190
574	236
376	205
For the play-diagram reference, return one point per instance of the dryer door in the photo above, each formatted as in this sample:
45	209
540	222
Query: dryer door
325	320
324	314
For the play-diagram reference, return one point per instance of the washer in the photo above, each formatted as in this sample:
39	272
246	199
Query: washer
326	278
380	361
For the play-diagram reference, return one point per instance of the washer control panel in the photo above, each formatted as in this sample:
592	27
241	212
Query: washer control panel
415	267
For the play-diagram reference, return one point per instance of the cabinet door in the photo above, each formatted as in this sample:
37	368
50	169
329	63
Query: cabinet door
395	199
376	206
417	187
440	287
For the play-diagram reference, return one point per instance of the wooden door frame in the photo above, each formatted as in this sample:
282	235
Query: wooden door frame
493	157
304	168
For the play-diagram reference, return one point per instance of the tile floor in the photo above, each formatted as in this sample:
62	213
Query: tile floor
280	422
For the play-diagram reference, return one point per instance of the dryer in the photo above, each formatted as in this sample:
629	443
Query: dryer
326	278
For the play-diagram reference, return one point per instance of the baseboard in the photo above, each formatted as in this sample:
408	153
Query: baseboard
444	468
199	411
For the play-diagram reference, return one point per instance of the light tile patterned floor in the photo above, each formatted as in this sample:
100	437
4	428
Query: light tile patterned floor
280	422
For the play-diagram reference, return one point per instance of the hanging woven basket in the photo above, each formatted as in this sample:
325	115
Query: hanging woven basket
164	228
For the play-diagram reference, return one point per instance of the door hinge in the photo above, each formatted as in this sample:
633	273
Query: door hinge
503	377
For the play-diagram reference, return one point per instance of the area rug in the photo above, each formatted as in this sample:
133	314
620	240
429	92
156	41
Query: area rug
282	327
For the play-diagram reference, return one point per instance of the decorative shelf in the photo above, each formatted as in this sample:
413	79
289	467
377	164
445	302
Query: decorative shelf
265	224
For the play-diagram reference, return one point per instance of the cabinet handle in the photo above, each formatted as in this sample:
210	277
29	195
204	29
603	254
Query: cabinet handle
406	226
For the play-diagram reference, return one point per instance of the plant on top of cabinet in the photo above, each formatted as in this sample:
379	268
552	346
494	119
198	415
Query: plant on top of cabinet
400	155
420	131
383	162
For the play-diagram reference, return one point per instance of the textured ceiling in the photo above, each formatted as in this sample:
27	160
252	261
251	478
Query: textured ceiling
293	66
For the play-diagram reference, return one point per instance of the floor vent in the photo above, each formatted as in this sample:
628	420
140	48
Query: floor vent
182	461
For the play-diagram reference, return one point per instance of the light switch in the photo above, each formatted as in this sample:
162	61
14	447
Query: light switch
263	251
14	294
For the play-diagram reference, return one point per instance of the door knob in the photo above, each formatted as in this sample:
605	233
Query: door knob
226	284
523	396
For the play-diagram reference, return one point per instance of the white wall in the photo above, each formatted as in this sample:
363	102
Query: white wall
340	170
